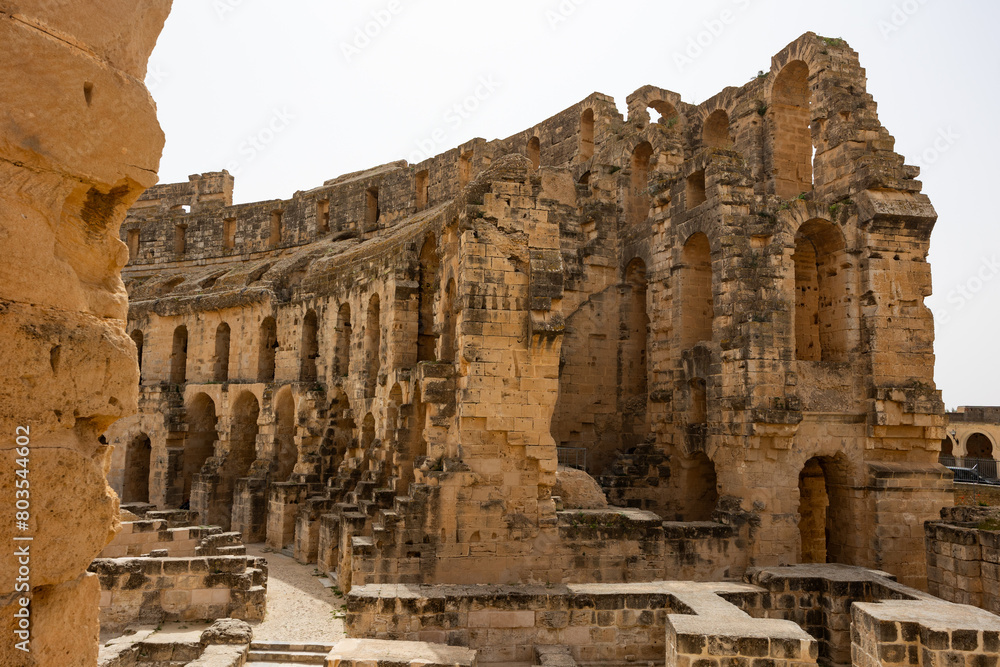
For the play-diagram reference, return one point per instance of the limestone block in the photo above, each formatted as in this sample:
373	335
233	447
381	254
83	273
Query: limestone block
578	490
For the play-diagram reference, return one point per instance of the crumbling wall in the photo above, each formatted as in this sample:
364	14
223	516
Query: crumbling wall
70	169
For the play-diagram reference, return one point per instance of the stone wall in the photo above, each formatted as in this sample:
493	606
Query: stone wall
379	371
155	590
963	559
79	142
977	495
923	633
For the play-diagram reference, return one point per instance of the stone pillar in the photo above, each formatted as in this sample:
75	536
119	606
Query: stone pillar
79	142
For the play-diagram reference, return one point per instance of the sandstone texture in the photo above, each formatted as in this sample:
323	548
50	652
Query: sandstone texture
578	490
716	309
70	168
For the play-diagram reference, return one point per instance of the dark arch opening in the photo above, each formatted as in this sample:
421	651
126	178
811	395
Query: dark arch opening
342	348
716	131
310	347
429	267
793	148
268	343
221	365
639	183
178	357
135	488
823	319
697	302
202	434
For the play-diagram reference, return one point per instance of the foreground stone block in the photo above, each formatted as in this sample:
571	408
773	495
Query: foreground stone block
379	653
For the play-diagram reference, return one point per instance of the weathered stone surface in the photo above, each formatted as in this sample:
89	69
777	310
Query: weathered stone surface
578	490
69	170
228	631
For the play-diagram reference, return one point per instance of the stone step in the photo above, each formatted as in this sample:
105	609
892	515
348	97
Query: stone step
286	657
290	646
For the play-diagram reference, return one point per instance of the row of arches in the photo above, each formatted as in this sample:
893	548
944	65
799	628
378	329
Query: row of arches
824	317
268	346
792	151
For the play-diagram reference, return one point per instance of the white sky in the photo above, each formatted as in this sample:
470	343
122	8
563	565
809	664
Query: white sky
292	75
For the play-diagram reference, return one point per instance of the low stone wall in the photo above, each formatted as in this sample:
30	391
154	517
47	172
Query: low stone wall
923	633
225	643
789	616
977	495
963	561
154	590
600	622
139	538
614	545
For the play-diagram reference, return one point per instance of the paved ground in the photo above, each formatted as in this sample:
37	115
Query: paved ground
299	609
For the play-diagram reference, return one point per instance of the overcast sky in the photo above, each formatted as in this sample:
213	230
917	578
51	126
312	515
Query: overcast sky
289	94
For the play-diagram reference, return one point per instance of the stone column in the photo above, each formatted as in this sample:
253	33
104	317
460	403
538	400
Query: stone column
79	142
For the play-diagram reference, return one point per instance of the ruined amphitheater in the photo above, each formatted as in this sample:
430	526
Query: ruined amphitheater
609	391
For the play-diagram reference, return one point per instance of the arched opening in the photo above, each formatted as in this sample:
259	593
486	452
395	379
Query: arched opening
178	356
586	135
180	239
979	446
275	237
715	134
584	178
137	455
310	348
241	455
464	169
202	434
694	190
663	112
635	333
138	338
792	145
229	233
268	346
421	188
372	210
322	216
429	265
534	153
448	332
286	453
639	184
825	520
335	445
373	345
699	487
697	306
342	348
221	366
823	318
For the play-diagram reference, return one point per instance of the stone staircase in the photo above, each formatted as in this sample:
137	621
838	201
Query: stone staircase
284	653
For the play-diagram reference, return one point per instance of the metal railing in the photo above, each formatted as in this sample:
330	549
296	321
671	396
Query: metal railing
987	468
572	457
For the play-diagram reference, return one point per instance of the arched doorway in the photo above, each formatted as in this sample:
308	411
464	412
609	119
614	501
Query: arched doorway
826	523
979	446
286	453
135	488
202	435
